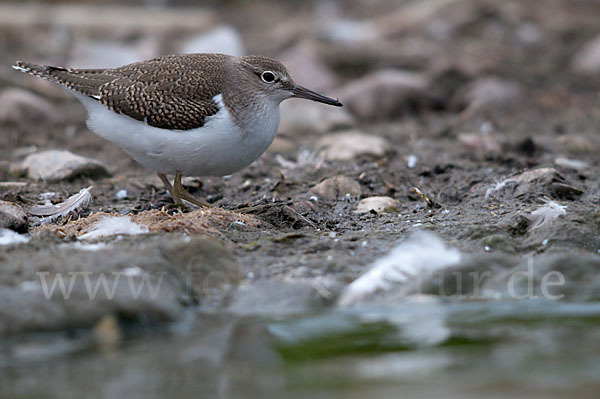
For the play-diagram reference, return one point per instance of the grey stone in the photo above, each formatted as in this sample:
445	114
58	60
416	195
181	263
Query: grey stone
336	187
307	68
377	204
21	107
350	144
483	144
574	164
301	116
490	93
533	184
587	59
384	94
12	216
578	143
56	165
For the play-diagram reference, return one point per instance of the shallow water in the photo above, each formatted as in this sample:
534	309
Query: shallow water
422	348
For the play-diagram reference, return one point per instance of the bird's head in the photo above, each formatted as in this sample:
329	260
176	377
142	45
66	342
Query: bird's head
272	79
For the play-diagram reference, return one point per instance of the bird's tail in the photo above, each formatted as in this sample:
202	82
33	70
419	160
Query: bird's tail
43	71
84	81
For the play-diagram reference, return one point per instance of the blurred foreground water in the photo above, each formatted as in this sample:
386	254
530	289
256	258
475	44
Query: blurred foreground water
421	348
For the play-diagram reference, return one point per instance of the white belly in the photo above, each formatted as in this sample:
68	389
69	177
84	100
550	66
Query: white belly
218	148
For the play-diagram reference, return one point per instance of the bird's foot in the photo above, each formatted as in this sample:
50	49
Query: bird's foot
179	193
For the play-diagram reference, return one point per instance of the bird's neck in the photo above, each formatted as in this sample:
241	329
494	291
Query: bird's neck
243	99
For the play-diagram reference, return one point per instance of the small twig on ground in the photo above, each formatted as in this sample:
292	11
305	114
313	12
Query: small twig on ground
431	203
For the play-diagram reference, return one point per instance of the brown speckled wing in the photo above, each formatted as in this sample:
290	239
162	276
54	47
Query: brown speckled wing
172	92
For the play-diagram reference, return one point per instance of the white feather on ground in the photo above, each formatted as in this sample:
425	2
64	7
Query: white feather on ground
422	253
52	212
547	214
113	225
499	185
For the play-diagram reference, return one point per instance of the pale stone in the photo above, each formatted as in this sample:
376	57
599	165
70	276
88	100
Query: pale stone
491	92
306	67
377	204
578	144
55	165
587	60
21	106
574	164
481	143
350	144
384	94
283	145
302	116
336	187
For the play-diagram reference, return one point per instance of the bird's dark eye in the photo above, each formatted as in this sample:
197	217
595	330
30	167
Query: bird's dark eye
268	77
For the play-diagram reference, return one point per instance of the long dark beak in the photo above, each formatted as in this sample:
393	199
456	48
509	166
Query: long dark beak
303	92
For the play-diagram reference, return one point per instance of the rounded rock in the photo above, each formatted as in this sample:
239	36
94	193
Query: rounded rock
13	217
56	165
336	187
377	204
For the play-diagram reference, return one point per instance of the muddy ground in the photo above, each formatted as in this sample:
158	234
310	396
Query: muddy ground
492	111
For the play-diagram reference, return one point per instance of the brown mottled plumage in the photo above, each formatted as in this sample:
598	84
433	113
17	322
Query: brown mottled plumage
171	92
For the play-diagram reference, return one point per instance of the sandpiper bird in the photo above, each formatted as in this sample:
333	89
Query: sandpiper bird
190	114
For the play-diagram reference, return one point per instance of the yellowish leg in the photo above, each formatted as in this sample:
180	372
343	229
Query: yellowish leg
181	193
169	187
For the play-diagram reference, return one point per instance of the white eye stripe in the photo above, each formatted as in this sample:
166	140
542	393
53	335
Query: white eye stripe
268	77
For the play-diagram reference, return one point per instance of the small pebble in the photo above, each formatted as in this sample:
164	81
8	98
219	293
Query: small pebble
411	162
121	194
